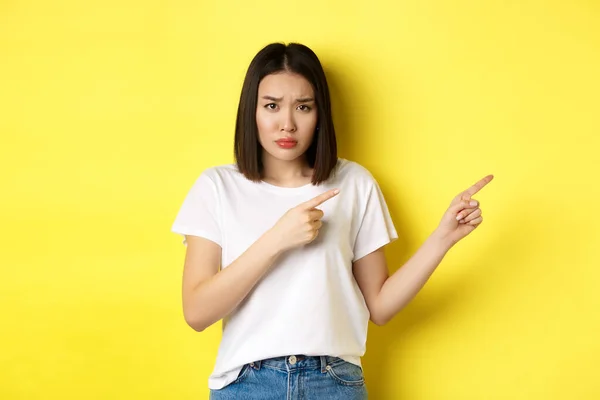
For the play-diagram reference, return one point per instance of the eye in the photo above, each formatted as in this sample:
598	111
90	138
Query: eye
304	107
271	106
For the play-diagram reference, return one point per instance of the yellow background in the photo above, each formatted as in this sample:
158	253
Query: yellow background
109	110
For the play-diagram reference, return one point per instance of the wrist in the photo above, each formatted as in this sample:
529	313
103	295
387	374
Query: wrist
441	240
273	242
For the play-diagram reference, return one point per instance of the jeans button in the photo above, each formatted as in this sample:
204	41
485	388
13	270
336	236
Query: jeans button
292	360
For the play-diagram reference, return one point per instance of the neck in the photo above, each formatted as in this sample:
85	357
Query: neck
286	173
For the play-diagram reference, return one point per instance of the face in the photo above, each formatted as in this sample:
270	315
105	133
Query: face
286	115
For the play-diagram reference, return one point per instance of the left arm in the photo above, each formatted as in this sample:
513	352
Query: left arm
387	295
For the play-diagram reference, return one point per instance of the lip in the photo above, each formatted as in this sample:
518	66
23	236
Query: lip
286	143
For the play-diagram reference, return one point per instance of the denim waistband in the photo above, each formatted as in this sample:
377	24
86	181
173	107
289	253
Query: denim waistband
297	362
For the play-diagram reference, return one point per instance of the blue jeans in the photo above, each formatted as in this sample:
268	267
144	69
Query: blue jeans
296	377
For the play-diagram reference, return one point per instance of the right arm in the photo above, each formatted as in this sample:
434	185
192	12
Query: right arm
210	294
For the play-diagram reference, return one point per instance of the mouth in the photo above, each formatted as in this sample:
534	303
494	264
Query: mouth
286	143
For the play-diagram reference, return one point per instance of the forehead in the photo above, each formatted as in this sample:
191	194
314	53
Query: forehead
285	83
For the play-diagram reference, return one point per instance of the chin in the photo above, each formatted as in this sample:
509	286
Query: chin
286	155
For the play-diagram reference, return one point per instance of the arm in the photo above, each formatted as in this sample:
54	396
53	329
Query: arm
210	294
387	295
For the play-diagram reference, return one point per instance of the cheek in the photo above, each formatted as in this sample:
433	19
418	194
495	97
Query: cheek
309	124
311	119
265	122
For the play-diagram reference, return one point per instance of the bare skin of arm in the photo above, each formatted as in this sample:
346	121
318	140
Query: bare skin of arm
210	294
386	295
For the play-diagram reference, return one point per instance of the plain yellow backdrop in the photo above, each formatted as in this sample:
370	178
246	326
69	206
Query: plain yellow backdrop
109	110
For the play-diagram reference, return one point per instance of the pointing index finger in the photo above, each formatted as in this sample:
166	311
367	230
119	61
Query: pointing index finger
478	186
322	198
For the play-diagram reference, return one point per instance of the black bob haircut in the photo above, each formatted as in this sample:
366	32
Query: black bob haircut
274	58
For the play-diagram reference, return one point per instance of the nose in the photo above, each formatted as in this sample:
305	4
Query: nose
288	123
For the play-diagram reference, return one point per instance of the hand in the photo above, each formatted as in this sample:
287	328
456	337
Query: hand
300	225
463	215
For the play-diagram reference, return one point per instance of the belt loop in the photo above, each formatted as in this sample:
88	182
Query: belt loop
323	364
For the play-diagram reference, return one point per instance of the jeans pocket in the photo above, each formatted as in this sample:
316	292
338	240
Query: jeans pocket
346	373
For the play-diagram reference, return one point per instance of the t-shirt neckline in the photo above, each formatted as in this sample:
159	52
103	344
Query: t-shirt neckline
286	190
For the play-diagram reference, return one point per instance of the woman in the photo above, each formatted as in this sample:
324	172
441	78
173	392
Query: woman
286	245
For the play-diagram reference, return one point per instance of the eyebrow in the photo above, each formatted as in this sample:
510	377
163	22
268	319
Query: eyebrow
301	100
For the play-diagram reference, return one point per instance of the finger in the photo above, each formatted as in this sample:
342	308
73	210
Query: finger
476	221
464	213
473	215
316	225
320	199
313	236
459	209
478	186
467	206
315	214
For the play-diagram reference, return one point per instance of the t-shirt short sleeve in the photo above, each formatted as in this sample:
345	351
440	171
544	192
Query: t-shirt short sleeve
376	228
199	213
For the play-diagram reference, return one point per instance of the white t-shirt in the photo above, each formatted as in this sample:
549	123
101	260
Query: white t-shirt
309	302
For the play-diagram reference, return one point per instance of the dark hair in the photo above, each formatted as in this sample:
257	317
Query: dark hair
297	58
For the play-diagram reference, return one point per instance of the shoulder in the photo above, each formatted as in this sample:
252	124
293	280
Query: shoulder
216	179
220	174
351	170
220	170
